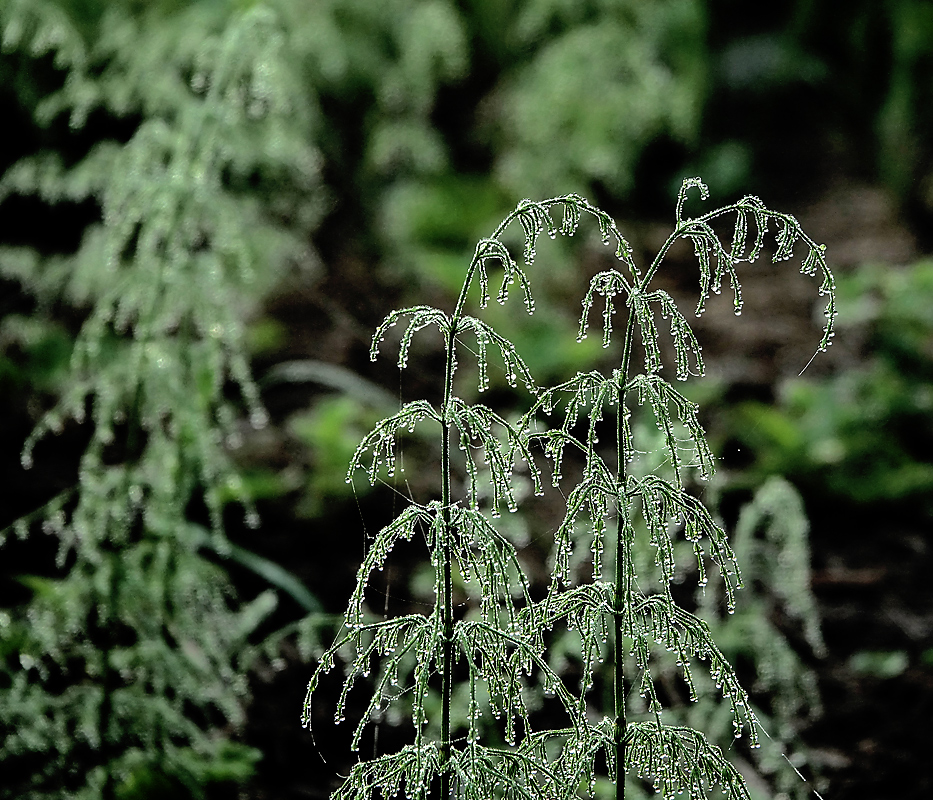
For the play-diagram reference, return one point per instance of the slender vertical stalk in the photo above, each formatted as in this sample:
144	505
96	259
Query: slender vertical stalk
618	659
619	578
447	589
447	603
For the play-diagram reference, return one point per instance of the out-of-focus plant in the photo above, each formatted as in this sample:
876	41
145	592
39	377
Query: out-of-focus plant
771	542
332	427
601	81
124	675
904	120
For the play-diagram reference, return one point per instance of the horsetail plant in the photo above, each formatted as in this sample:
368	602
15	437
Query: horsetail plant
502	647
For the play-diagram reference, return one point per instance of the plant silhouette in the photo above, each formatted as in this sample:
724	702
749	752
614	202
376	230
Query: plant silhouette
501	647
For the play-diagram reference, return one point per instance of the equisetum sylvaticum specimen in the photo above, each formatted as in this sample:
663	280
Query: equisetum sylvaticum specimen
498	647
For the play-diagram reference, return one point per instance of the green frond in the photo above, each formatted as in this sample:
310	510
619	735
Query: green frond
487	556
381	440
608	284
638	302
478	773
708	246
580	751
595	497
521	774
686	346
678	761
660	396
535	219
588	610
410	770
402	528
597	392
586	600
663	503
585	390
500	658
656	620
479	423
788	233
421	317
515	366
705	244
491	250
759	211
390	640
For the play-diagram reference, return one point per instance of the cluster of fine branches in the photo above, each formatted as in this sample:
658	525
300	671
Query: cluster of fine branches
500	650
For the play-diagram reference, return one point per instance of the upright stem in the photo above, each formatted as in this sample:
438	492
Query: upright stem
447	590
618	659
618	655
447	685
619	578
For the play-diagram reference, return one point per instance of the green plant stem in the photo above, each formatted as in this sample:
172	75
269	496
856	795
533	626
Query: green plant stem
619	579
447	684
618	660
447	599
447	588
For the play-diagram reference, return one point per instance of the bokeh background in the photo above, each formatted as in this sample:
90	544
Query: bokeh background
246	188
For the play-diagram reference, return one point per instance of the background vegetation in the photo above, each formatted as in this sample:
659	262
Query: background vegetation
205	209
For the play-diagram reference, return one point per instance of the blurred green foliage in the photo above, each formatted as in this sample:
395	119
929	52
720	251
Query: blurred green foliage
34	353
331	430
115	691
124	675
872	423
605	78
